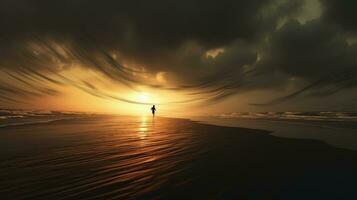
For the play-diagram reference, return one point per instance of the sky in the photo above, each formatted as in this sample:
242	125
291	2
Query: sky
189	57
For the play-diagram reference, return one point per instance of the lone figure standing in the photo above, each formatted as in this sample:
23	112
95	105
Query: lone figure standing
153	109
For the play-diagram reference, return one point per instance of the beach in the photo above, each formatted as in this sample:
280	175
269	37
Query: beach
340	131
141	157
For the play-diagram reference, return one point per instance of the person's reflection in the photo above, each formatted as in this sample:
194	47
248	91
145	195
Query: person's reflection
153	123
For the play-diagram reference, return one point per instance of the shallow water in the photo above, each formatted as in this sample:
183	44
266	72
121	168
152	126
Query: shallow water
125	153
341	134
118	157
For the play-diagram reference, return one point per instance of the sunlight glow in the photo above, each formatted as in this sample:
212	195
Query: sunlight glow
143	97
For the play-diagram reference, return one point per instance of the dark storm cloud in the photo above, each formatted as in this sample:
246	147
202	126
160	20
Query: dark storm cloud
315	52
152	33
342	13
136	25
174	36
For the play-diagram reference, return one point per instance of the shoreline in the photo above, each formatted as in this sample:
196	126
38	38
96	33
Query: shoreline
167	158
332	134
198	122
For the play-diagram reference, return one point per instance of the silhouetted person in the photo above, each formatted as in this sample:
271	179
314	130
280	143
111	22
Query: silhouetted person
153	109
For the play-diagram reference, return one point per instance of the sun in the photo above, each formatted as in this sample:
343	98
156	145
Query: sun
143	97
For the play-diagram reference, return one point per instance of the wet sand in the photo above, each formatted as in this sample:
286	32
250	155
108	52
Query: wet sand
115	157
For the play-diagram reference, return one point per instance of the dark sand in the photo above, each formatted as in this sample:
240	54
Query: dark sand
136	157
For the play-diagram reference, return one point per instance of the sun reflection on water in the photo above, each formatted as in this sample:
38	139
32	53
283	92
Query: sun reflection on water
133	156
143	128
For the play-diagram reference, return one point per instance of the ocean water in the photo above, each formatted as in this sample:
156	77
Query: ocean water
61	155
57	155
14	117
338	129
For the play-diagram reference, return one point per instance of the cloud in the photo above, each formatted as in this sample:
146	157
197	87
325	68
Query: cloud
341	13
257	45
315	52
